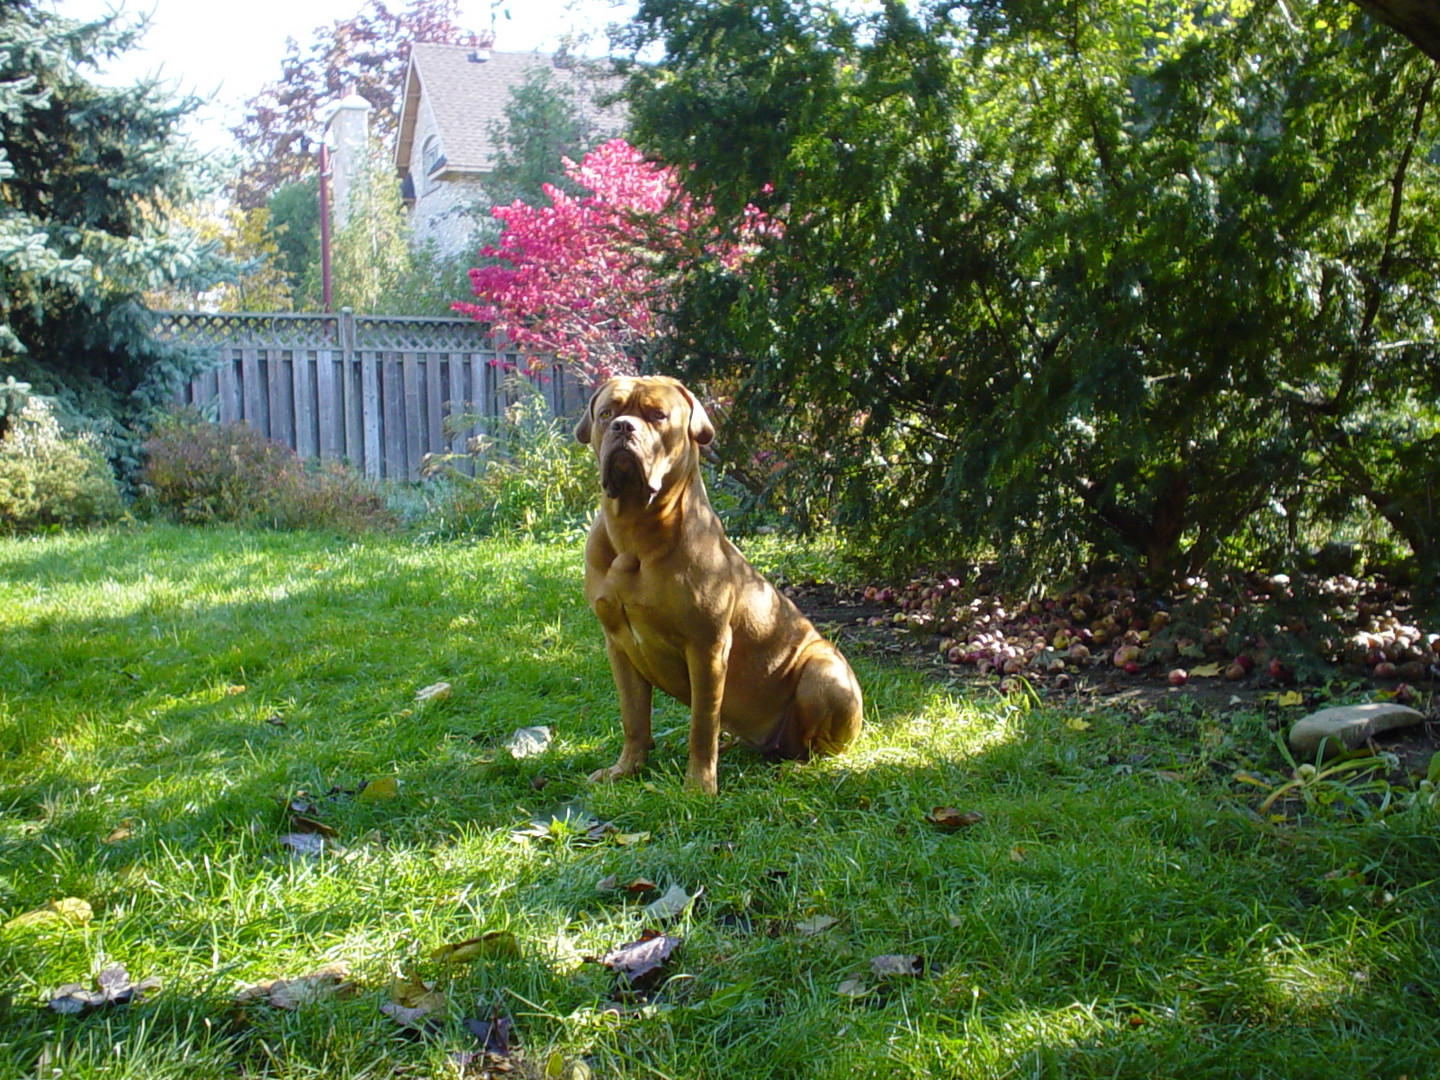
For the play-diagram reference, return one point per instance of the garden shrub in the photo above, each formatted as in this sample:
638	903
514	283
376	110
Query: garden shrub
50	478
201	472
531	477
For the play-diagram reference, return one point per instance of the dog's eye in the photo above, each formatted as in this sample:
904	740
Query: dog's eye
606	414
657	416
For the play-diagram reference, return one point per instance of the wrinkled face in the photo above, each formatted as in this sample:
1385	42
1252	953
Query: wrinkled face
644	433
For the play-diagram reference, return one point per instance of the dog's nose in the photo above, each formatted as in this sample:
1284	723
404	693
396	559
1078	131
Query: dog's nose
624	425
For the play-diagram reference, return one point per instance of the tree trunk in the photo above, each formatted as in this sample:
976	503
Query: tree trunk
1418	20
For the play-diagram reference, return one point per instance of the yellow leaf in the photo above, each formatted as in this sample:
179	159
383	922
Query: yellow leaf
1292	697
382	787
625	839
490	943
555	1066
70	910
234	689
1076	724
1205	671
1017	854
123	831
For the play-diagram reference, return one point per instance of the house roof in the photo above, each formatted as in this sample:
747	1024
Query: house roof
467	89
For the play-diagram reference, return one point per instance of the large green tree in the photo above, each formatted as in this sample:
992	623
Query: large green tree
1059	280
89	176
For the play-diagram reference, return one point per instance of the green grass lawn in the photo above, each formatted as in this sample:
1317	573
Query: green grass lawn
1119	910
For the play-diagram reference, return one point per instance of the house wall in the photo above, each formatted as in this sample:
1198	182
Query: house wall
448	207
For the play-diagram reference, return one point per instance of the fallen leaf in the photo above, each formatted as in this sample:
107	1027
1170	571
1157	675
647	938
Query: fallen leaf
608	883
816	924
950	819
235	688
625	839
528	741
302	824
123	831
1205	671
1076	724
671	905
491	943
70	910
1291	698
332	980
434	692
1017	854
382	787
853	987
640	886
897	964
413	1002
308	844
641	963
112	987
493	1034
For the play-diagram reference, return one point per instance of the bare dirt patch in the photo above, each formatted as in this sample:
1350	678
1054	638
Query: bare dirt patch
870	629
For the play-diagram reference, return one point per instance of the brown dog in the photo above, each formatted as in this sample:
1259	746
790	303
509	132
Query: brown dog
683	610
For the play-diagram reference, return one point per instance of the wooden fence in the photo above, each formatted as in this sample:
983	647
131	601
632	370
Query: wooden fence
379	392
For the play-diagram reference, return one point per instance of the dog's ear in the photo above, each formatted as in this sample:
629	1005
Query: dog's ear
587	418
701	429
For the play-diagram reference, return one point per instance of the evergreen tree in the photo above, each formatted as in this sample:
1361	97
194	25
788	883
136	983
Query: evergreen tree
543	126
1064	281
88	177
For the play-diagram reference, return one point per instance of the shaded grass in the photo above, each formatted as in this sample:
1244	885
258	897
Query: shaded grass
1119	911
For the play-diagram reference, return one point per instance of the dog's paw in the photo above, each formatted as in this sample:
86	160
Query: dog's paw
703	782
614	772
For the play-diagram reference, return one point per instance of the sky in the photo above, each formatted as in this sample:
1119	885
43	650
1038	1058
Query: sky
228	51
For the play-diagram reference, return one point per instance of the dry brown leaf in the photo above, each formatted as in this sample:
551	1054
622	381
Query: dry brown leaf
414	1002
897	964
332	980
112	987
950	819
640	963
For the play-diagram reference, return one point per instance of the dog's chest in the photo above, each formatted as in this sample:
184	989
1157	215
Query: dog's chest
632	611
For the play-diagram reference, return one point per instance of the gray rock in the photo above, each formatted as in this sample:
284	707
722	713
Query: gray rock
1347	727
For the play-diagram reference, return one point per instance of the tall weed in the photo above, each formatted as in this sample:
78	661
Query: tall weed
531	477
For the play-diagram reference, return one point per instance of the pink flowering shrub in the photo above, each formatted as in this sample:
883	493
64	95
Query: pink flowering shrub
583	278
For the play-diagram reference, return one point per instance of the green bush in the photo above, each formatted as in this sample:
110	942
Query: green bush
531	478
49	478
200	472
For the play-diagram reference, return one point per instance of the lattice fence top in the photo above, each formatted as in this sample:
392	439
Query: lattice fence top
294	331
421	335
281	330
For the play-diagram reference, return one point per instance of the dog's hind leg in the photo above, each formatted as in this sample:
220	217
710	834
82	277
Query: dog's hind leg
828	710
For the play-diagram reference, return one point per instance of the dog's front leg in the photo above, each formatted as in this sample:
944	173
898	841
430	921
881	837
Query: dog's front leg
636	696
707	667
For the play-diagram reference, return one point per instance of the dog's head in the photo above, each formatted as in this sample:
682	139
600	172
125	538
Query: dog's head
646	433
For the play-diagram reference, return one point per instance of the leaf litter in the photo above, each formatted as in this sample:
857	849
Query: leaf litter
112	987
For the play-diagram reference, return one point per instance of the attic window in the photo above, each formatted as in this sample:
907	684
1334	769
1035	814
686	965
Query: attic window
430	156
